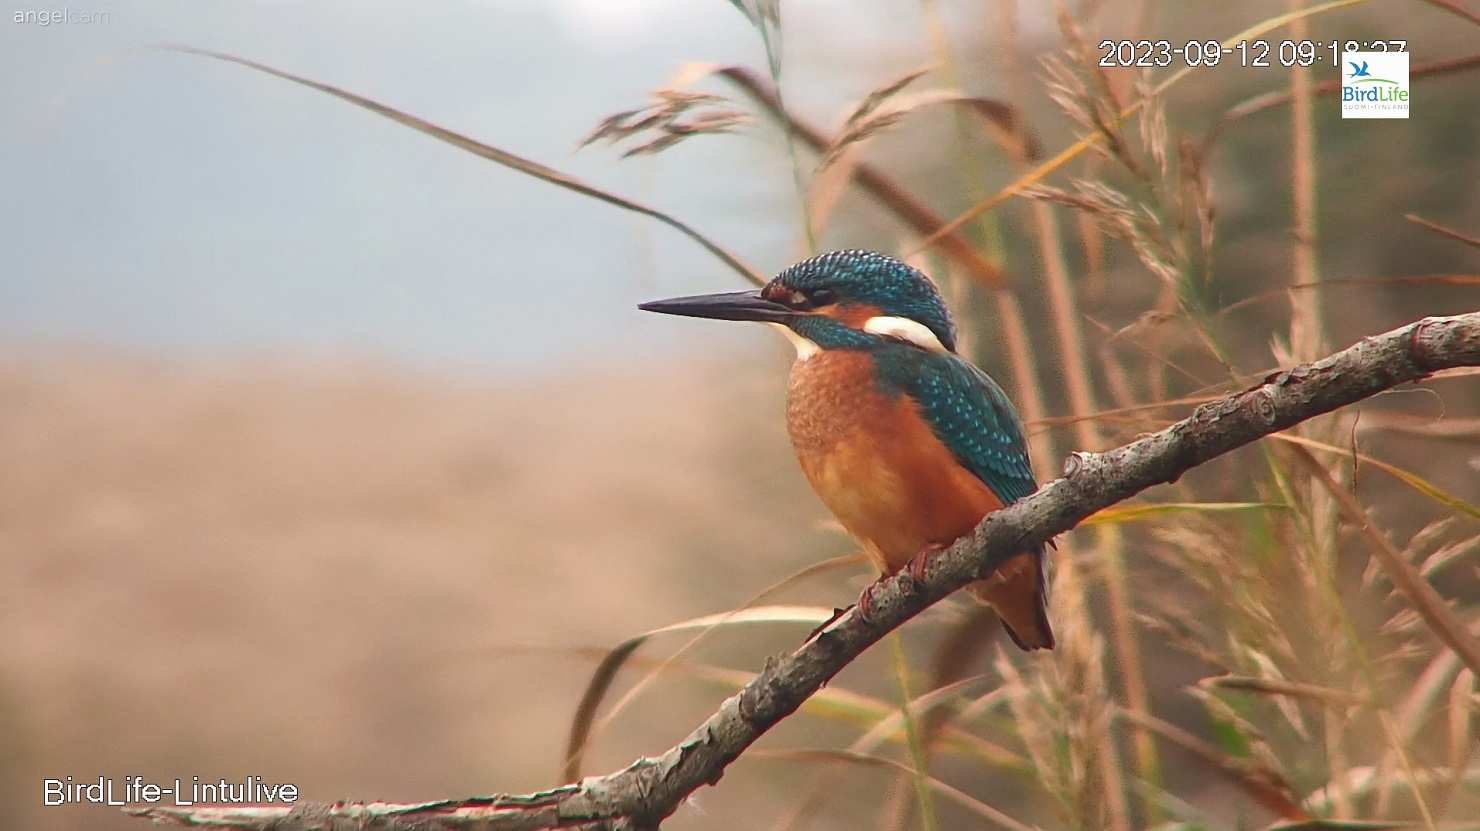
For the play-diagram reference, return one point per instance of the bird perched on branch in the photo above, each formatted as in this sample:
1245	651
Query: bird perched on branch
907	443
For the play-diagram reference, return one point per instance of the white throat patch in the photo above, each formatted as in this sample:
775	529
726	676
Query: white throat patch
805	348
906	330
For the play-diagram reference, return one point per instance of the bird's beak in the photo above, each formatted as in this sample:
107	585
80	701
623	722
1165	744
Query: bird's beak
733	305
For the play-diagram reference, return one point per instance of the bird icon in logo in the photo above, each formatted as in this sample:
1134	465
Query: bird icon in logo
1359	70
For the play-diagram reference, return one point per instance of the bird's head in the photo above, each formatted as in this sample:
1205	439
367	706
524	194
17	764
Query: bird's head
839	300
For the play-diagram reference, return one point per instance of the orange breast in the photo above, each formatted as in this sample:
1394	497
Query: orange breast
875	462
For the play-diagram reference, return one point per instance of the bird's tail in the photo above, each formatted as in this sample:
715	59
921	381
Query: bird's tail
1018	593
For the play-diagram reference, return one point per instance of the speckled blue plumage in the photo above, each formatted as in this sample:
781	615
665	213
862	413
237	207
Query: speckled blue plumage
906	443
964	407
966	410
876	280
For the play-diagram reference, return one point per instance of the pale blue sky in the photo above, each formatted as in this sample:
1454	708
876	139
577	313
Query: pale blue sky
171	205
168	204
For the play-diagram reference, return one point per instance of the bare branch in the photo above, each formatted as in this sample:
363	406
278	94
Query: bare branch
650	789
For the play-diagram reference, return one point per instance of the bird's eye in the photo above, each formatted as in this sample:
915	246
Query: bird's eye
821	297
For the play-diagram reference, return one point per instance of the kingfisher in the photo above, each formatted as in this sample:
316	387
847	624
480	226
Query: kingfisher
907	443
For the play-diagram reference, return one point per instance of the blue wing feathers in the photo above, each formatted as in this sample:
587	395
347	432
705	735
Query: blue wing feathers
969	412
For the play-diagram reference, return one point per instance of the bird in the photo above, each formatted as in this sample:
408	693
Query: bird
1359	71
906	442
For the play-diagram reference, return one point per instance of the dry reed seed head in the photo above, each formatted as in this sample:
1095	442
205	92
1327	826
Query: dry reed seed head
880	111
1334	644
685	97
1061	707
1058	196
1405	622
1094	198
1196	549
1398	660
1153	121
1103	98
1196	193
1182	630
1078	645
1066	594
1188	626
857	134
1115	201
1089	707
1156	252
1034	718
879	95
1373	575
1430	535
1152	323
674	116
1066	88
1229	621
1443	554
1261	755
1296	690
1260	625
1158	228
1138	226
1056	719
1092	102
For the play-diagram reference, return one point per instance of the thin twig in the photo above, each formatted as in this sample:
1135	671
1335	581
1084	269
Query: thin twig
1456	9
1437	228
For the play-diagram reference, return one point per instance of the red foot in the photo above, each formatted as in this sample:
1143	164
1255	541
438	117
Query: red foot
915	568
864	606
866	601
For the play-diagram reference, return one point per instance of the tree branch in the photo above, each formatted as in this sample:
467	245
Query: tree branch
650	789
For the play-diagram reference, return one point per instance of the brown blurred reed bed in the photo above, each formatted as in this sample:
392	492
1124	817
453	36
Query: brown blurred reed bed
361	581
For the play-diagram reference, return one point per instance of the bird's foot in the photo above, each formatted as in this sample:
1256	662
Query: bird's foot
915	568
865	604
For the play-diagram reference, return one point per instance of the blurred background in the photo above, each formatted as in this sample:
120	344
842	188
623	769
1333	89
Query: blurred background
334	455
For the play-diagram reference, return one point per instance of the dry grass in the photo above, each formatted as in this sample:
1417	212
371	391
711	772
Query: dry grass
1299	673
1241	648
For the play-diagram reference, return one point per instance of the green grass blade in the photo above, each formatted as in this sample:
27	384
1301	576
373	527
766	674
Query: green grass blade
1119	514
1408	478
606	672
881	720
919	757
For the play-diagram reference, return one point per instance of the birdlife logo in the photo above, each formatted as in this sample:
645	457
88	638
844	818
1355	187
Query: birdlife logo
1374	85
